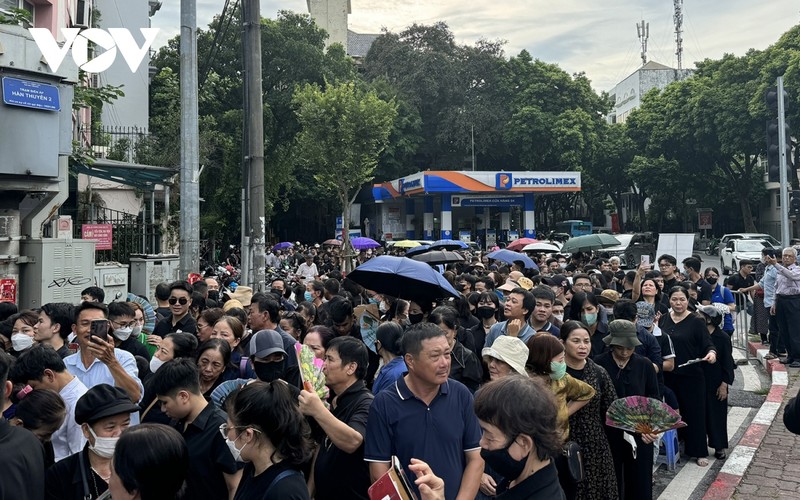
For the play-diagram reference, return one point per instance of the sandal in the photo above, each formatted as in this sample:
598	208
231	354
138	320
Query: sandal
701	461
720	455
771	355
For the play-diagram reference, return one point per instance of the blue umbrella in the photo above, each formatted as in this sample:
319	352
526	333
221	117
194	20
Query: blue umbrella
403	278
510	257
282	245
448	245
417	250
362	243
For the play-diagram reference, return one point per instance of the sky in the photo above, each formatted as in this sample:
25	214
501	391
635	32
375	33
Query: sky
597	38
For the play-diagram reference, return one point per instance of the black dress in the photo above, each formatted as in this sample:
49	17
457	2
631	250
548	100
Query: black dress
716	374
691	341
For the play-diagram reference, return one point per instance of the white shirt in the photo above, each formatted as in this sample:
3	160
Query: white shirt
69	439
307	272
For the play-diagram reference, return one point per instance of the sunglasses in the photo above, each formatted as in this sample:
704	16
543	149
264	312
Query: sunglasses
175	300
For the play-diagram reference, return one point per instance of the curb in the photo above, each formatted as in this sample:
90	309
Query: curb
729	477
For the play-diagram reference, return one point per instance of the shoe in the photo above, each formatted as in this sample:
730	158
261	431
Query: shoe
721	455
794	364
787	361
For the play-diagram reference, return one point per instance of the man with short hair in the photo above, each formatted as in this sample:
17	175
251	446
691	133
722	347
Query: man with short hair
583	283
179	319
213	473
265	315
668	265
691	267
787	304
427	415
22	452
517	309
42	368
543	310
54	326
340	471
93	294
121	316
559	284
742	279
97	360
307	271
162	292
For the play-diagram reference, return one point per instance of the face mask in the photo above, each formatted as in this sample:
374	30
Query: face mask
20	341
236	452
213	295
137	330
103	446
416	318
559	317
383	307
558	369
123	333
712	281
484	312
590	319
609	310
268	372
373	300
155	364
503	463
307	296
562	265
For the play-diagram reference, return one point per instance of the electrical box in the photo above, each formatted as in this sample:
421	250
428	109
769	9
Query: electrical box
112	277
57	271
147	271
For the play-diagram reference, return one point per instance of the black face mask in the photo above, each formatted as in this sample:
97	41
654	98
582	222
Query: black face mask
268	372
416	318
503	463
712	281
485	312
213	295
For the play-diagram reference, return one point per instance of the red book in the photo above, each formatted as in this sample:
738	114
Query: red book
393	485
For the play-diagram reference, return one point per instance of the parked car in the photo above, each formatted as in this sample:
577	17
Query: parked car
632	247
736	251
723	242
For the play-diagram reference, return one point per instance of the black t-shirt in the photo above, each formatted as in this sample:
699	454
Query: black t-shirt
23	463
704	291
133	346
291	487
187	324
738	281
338	474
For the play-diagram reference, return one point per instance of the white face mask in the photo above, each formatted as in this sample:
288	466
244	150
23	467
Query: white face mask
236	452
559	317
137	330
103	446
20	341
155	364
123	333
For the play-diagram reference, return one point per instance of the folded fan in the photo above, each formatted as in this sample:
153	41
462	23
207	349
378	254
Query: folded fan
643	415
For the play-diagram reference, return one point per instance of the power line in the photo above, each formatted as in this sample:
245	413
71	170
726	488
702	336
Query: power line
206	67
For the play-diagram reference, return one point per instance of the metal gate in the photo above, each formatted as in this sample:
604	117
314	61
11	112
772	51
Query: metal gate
130	235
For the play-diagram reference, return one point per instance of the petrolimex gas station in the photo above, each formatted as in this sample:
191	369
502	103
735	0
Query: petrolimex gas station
466	205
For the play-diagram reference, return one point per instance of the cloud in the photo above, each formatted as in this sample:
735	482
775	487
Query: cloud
598	38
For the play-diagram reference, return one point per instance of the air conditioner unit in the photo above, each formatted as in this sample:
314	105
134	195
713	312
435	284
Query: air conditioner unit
83	14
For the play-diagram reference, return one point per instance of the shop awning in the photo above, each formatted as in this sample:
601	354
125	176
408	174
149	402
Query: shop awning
144	177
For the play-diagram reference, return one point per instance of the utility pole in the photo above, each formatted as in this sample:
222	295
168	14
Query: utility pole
254	154
190	143
473	148
784	177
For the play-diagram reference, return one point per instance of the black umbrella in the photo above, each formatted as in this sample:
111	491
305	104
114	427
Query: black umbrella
438	257
404	278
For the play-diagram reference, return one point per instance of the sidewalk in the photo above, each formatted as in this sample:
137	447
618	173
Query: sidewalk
766	461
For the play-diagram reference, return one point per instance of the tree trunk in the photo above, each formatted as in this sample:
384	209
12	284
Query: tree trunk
747	213
620	213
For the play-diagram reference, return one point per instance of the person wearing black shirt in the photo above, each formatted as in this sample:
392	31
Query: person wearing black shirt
340	471
719	377
121	316
704	289
266	430
179	320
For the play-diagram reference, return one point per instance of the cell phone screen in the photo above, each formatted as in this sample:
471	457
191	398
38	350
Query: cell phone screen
99	328
645	260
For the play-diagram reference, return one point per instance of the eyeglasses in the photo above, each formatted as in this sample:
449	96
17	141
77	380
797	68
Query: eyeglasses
123	325
175	300
224	428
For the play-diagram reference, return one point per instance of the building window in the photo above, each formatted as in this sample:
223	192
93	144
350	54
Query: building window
778	200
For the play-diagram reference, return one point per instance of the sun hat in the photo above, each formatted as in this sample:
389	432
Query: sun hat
622	332
510	350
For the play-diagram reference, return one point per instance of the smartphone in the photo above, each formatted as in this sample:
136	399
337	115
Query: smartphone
99	329
645	260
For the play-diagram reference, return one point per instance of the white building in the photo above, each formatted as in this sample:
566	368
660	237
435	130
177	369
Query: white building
332	16
627	95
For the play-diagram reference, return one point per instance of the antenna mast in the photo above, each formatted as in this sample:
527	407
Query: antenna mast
679	31
643	30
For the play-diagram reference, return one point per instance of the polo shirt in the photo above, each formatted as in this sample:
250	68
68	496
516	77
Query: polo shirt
402	425
338	474
389	374
98	373
187	324
497	329
549	328
69	438
23	463
209	456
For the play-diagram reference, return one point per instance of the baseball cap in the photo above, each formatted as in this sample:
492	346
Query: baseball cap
266	342
102	401
525	283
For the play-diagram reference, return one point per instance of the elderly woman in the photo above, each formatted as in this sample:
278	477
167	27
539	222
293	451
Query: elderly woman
633	375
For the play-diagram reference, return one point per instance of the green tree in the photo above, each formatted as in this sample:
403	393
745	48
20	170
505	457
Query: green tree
343	132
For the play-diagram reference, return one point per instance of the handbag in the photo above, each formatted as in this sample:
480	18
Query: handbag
574	456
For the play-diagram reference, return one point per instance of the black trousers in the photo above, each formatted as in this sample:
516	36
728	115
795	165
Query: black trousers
634	475
787	314
776	343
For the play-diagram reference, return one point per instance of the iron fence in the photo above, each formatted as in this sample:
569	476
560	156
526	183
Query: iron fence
129	233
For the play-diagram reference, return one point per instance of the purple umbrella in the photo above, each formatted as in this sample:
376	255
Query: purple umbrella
362	243
282	245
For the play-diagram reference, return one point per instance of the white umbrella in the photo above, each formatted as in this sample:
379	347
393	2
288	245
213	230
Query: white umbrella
540	247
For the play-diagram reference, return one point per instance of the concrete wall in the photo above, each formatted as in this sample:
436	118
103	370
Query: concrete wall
331	15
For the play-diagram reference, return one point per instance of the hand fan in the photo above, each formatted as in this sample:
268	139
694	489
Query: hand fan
643	415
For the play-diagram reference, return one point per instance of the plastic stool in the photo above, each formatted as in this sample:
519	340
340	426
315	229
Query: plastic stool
670	440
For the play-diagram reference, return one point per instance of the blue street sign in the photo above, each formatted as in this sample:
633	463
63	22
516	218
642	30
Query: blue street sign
28	94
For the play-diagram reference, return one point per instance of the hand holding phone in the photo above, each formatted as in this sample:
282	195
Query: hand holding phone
645	261
99	329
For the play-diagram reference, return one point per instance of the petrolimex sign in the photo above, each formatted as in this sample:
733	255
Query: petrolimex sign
113	40
508	180
411	183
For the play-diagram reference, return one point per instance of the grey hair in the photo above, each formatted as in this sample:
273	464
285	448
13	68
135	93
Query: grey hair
790	250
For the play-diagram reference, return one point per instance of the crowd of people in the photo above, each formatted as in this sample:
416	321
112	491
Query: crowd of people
481	396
